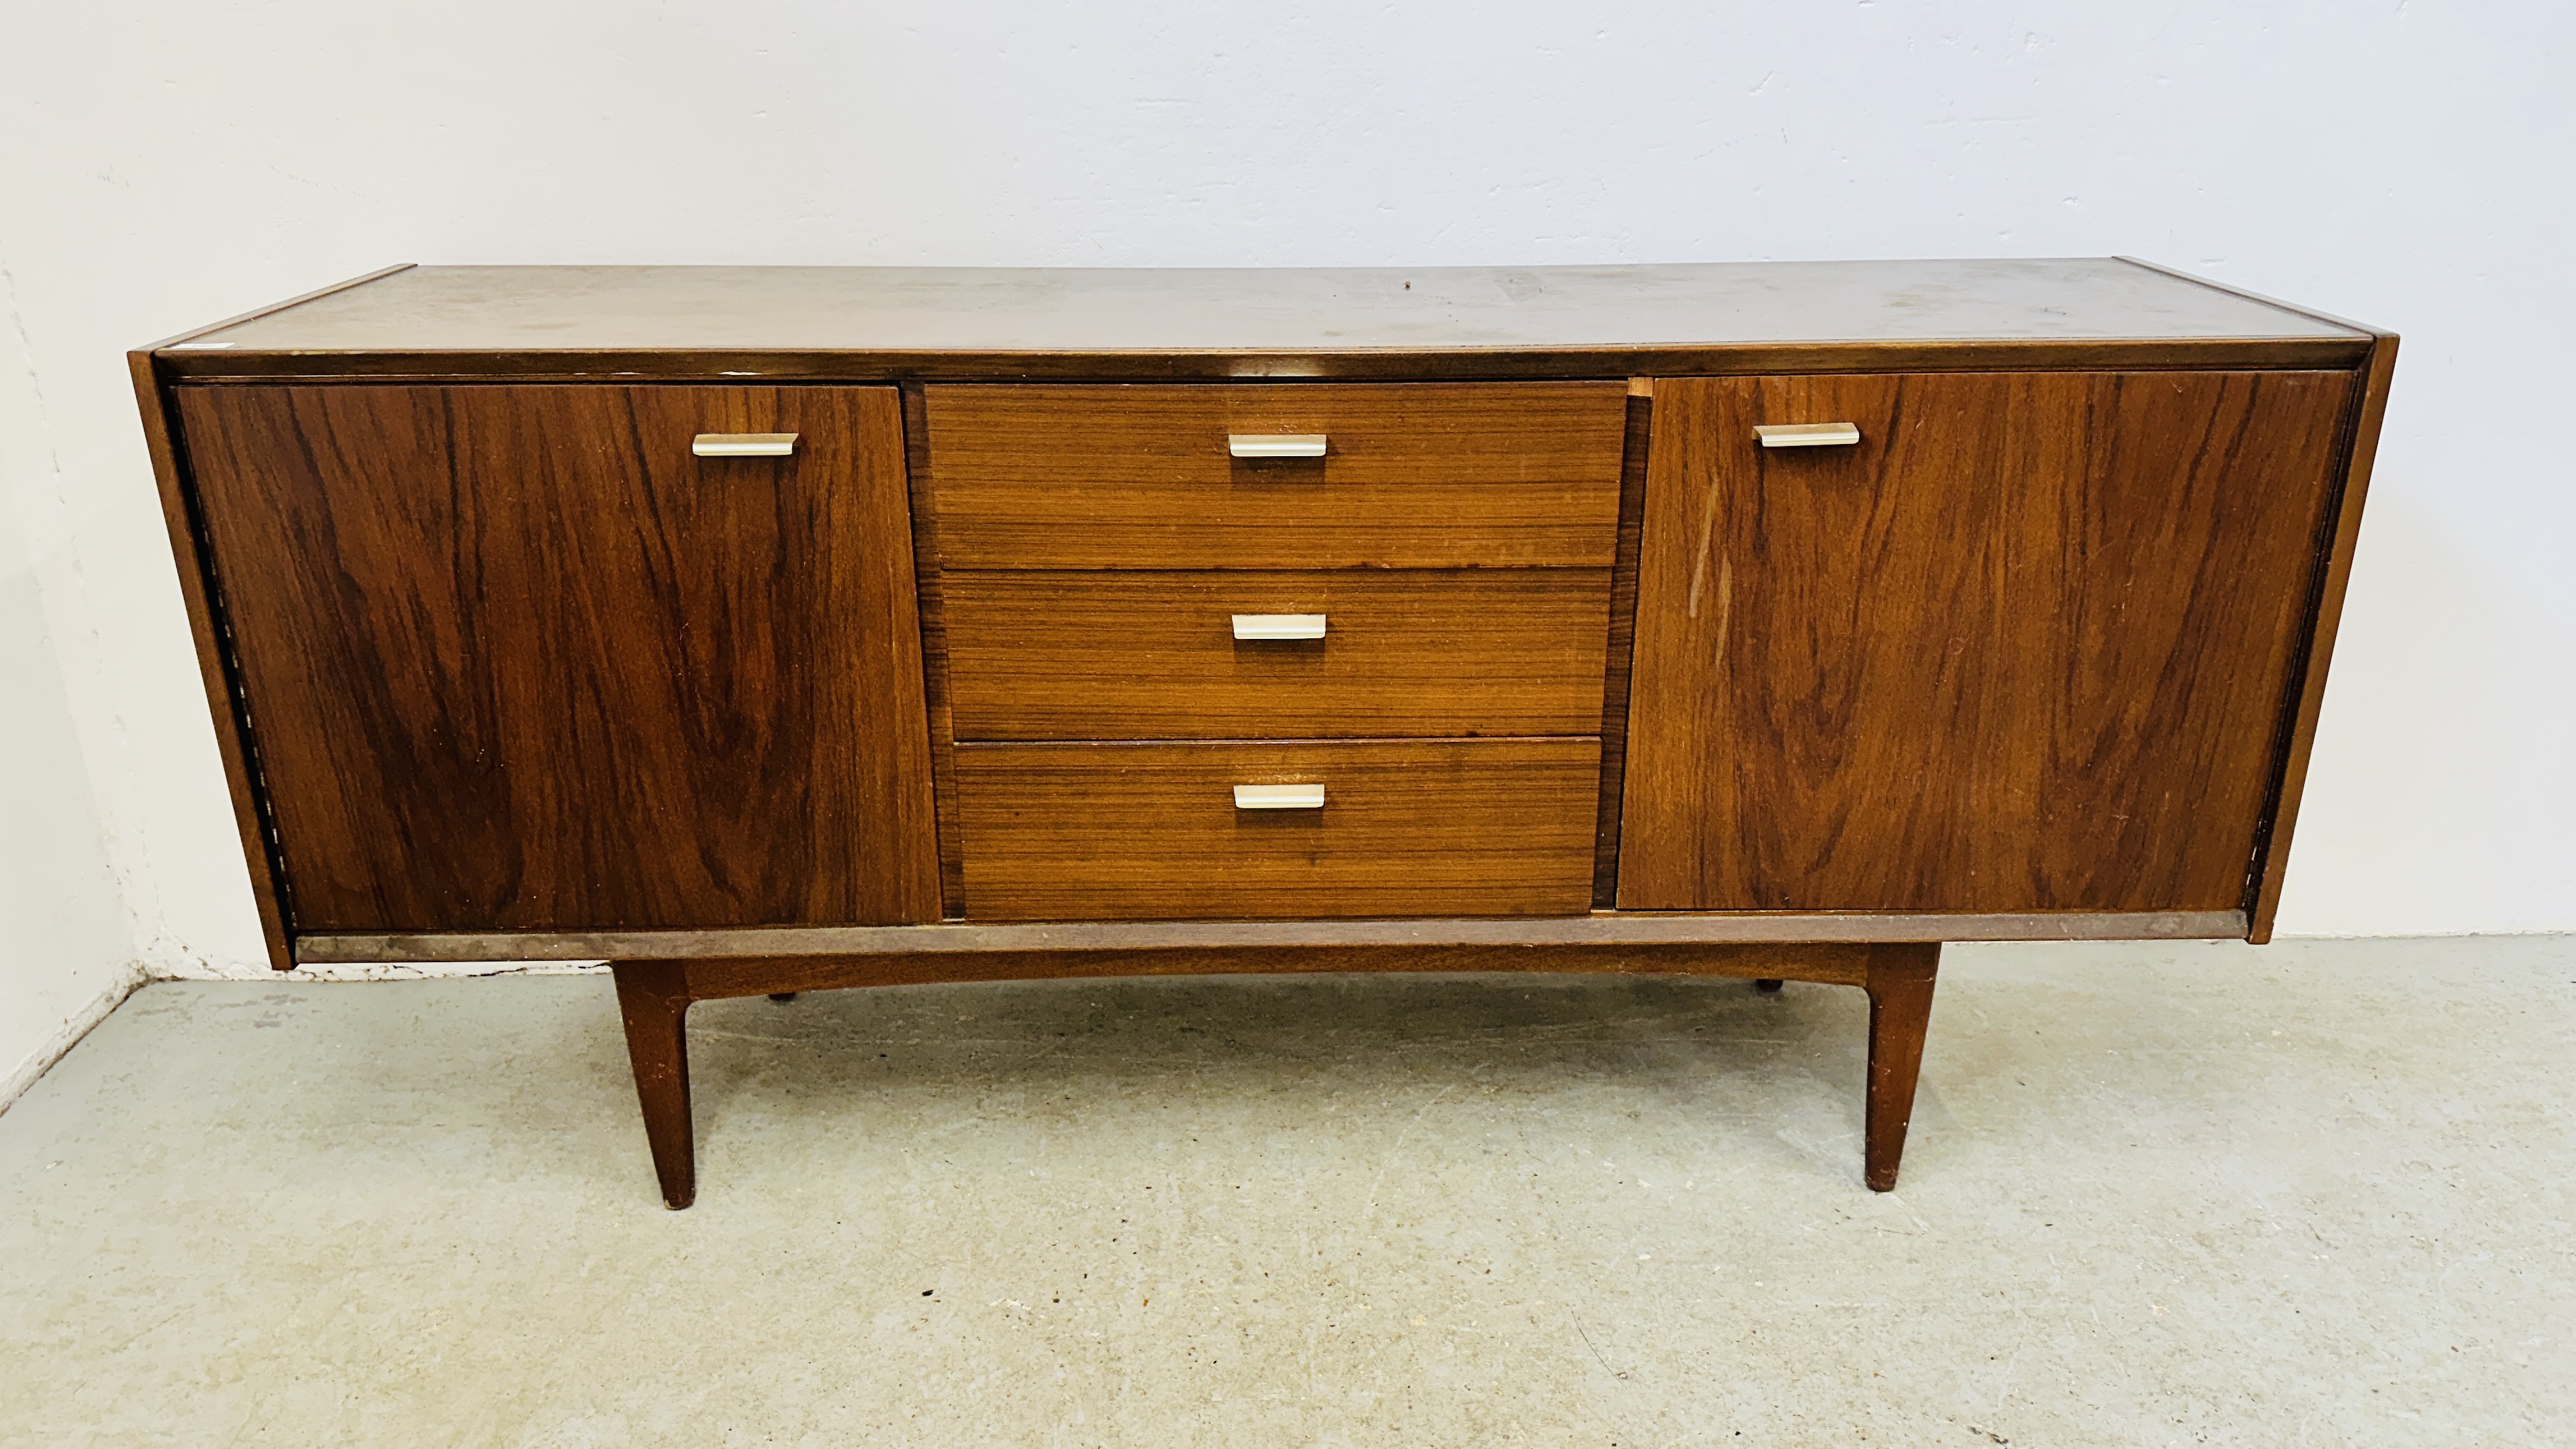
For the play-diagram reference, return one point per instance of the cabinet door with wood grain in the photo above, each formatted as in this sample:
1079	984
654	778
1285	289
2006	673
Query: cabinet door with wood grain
2025	646
517	658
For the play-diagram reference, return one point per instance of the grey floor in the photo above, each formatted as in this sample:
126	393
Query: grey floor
2316	1194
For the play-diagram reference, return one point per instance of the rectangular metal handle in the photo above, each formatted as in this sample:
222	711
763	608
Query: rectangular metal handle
1278	797
1808	435
1275	445
1279	626
743	445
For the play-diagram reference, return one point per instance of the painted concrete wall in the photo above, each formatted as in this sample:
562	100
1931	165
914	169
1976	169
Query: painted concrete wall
168	164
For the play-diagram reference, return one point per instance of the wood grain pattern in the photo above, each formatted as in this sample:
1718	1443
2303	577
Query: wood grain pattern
653	998
933	610
1900	982
503	673
1599	928
2021	649
517	660
716	977
1618	660
2299	719
217	669
2326	616
1150	831
1428	476
1116	655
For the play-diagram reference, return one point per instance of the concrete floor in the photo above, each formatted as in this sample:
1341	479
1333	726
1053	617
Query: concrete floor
2316	1194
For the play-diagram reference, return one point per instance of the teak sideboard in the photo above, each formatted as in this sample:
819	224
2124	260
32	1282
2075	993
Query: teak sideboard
764	630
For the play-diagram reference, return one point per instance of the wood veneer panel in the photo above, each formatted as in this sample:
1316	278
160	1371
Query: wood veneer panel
1417	476
934	649
216	669
2370	406
1151	832
1116	655
1617	660
2022	649
516	659
716	977
1611	929
2299	720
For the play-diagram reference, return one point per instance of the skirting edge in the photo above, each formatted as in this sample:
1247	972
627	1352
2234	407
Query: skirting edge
1620	928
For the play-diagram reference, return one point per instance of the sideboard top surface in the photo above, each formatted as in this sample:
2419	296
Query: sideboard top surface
1181	322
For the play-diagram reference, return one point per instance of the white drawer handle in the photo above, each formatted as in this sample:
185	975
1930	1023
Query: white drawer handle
1808	435
1275	445
1279	626
1278	797
743	445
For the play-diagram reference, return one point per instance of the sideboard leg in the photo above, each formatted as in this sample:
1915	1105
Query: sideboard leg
653	996
1770	983
1900	1009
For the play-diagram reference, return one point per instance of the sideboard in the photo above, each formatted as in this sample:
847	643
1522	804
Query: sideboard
767	630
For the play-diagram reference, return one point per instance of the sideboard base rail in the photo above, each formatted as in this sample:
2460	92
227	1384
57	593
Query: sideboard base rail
654	996
1601	928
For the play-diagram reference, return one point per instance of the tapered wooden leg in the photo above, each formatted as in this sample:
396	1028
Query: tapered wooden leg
653	996
1900	1009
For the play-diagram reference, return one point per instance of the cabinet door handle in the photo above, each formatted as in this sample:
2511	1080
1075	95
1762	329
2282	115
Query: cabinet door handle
1808	435
1279	626
1278	797
1275	445
743	445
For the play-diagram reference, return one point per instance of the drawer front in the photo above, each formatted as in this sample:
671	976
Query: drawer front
1410	476
1154	831
1111	655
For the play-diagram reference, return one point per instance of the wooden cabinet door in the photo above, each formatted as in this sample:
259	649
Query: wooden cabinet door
2026	647
513	658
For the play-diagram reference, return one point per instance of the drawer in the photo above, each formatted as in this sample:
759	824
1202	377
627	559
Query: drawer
1036	655
1153	831
1410	476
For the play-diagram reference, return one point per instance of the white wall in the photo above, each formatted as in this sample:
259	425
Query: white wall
66	944
169	163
